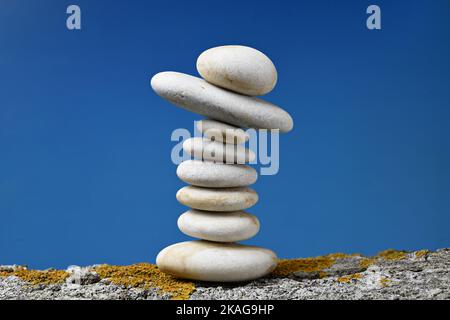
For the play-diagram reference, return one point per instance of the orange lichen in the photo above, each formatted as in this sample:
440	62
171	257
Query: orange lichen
148	276
384	282
145	275
347	279
366	262
287	266
310	265
36	277
391	254
340	255
421	253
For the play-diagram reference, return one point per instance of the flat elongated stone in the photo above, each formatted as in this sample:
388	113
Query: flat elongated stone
197	95
238	68
219	131
221	262
205	149
216	175
226	199
218	226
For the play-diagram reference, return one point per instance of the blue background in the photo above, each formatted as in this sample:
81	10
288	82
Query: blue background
85	169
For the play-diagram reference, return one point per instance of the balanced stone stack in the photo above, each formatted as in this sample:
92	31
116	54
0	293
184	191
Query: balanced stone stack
218	176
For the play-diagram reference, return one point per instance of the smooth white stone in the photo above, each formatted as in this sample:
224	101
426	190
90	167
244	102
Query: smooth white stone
197	95
219	131
226	199
218	226
205	149
216	175
238	68
220	262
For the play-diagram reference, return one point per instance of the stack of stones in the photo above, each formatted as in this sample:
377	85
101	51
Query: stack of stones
218	177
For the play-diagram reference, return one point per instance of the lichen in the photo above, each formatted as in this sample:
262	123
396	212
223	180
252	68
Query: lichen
36	277
310	265
145	275
287	266
148	276
340	255
392	254
389	254
421	253
318	264
367	262
347	279
384	282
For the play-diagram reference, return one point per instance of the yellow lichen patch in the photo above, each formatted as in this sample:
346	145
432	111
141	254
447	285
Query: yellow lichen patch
421	253
346	279
366	262
287	266
36	277
384	282
145	275
391	254
340	255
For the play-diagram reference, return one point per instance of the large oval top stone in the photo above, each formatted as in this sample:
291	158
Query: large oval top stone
219	226
216	175
226	199
221	262
197	95
238	68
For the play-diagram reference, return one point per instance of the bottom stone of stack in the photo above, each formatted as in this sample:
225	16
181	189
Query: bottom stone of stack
219	262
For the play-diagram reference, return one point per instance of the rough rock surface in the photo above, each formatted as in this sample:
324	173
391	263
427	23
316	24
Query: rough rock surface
389	275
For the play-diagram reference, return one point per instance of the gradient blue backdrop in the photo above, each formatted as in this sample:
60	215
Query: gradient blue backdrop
85	170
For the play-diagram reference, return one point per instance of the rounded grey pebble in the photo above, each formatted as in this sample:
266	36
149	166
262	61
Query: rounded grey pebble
205	149
219	226
219	262
219	131
238	68
198	96
216	175
224	199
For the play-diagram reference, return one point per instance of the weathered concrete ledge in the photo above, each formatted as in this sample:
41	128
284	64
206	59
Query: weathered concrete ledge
389	275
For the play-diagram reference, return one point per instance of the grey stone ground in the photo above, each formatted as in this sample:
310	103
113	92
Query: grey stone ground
413	277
